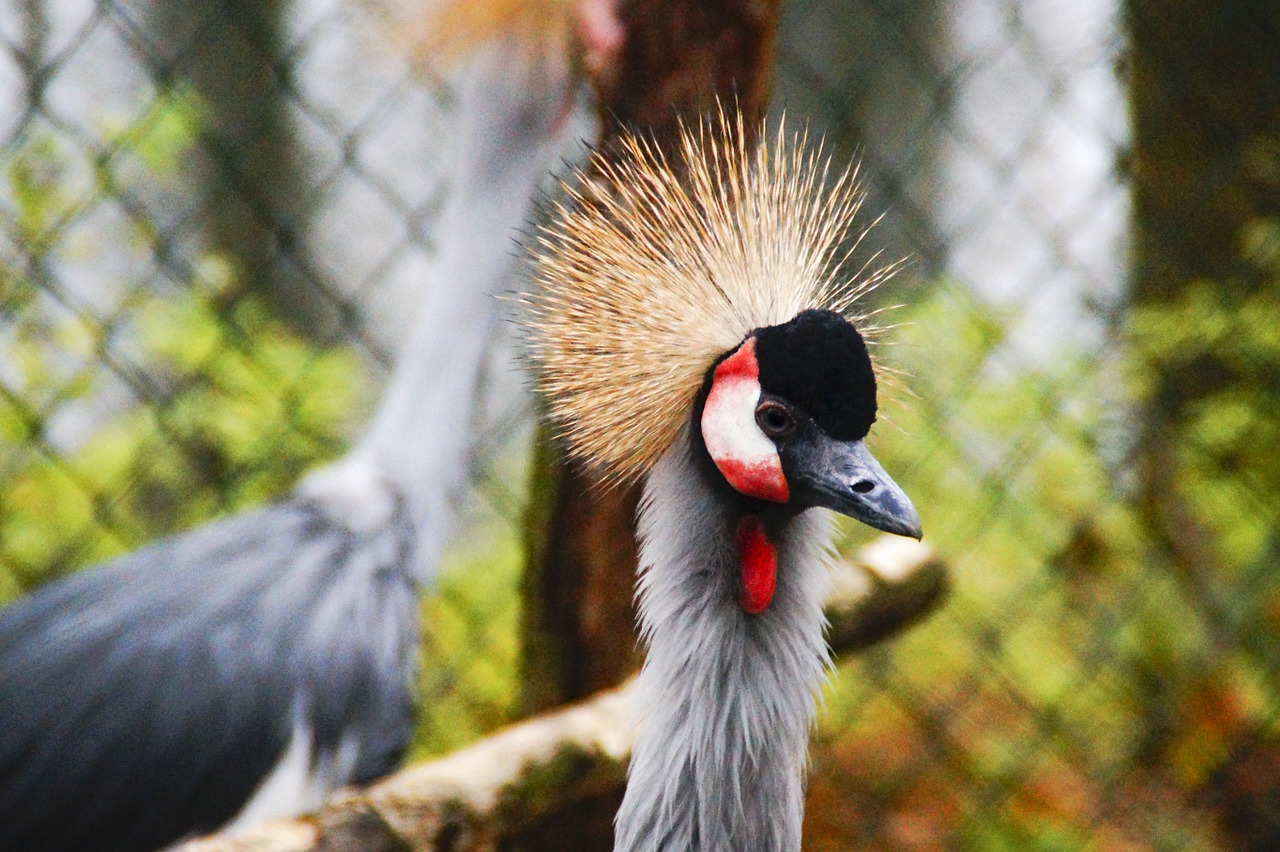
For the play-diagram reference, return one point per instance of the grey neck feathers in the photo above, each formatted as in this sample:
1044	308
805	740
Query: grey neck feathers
726	699
416	450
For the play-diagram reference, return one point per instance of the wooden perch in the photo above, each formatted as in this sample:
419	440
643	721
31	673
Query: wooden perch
505	784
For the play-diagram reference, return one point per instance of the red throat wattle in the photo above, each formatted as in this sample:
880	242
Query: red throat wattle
758	564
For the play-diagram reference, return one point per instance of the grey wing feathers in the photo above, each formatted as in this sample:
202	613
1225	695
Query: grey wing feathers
144	700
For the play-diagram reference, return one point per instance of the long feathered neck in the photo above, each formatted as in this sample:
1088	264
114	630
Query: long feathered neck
510	99
506	111
727	698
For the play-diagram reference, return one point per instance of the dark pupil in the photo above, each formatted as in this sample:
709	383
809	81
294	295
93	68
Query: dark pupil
775	419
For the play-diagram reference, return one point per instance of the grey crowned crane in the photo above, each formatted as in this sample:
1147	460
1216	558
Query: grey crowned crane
690	323
246	669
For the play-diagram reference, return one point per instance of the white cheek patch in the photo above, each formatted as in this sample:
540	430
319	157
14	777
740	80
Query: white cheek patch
745	456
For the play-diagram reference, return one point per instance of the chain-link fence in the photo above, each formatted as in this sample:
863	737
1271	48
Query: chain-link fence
213	215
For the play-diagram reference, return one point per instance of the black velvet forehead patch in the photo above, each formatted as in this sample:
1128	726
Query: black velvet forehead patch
819	363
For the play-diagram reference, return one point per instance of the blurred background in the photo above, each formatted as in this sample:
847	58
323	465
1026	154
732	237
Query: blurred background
213	216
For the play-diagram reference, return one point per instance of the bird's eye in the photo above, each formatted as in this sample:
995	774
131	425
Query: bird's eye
774	419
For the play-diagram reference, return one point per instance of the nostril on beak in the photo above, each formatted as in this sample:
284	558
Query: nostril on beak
864	486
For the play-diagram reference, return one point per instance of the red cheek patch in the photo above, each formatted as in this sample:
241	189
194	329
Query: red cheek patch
762	479
758	562
745	456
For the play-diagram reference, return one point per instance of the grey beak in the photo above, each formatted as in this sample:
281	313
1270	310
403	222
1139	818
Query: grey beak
845	477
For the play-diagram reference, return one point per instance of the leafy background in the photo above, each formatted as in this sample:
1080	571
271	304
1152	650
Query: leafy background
1102	677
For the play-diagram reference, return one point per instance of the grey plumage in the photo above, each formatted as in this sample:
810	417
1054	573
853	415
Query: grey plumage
170	681
726	699
250	667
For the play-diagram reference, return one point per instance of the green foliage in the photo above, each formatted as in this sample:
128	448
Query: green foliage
470	678
1081	661
1228	433
231	406
1076	662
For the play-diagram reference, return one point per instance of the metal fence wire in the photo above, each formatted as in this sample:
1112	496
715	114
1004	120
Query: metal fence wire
212	213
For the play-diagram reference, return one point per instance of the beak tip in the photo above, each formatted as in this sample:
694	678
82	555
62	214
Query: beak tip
904	521
908	521
900	515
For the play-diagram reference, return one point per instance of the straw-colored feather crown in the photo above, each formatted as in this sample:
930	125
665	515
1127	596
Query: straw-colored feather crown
653	267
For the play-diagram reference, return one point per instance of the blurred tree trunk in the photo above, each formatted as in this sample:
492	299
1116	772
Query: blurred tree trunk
579	634
1205	95
680	55
232	55
1205	105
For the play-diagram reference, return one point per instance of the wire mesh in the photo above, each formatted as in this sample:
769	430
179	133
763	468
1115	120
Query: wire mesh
213	214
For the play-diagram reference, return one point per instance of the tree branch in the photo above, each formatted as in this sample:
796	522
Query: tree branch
506	784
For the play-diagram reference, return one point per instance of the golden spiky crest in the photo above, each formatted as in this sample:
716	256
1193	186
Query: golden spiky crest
654	267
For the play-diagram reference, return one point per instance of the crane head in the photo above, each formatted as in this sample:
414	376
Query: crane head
784	417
